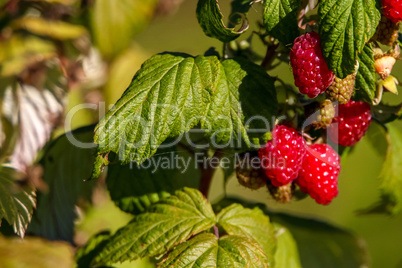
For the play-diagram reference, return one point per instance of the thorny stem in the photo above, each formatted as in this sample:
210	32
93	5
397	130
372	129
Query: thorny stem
207	172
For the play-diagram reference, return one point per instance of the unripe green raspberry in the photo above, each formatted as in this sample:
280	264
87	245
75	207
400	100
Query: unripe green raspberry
249	173
387	31
282	194
341	90
327	113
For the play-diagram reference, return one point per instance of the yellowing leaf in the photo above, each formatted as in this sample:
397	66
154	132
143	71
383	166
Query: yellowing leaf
115	23
19	52
54	29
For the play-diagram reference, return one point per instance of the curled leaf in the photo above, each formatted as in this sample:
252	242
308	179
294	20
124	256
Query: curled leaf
210	19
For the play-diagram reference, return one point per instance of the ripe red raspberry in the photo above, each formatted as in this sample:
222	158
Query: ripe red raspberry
352	121
281	157
319	173
310	70
392	9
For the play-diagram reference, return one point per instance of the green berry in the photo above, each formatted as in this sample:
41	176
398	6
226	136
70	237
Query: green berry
341	90
327	113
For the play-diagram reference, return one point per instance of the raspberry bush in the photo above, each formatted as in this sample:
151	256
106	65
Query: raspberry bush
289	89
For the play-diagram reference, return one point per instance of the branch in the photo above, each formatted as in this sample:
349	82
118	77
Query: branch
208	172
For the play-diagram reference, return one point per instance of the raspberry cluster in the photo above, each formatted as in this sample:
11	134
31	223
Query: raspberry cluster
286	160
310	70
314	168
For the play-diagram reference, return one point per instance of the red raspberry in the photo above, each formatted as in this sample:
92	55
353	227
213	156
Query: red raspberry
310	70
319	173
392	9
352	121
281	157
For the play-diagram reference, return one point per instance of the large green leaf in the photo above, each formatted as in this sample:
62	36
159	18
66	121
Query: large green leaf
365	77
319	244
251	223
173	93
287	254
323	245
135	187
206	250
345	26
166	224
280	19
16	203
115	23
210	19
66	167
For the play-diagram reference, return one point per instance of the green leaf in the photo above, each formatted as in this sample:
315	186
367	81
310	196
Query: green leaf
365	77
241	6
135	187
385	113
115	23
66	166
287	254
49	28
323	245
86	254
210	19
280	19
206	250
170	94
391	180
165	224
376	136
16	203
345	26
251	223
